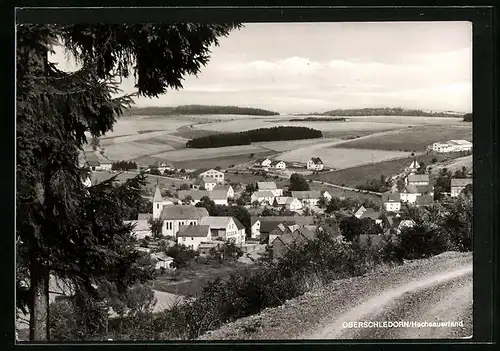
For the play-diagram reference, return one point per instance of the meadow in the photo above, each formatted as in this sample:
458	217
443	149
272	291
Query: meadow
152	180
339	158
223	162
359	175
415	138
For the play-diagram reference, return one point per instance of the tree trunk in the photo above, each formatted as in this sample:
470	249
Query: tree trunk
39	312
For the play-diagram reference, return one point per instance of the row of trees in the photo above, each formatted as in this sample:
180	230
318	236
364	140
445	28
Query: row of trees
202	110
387	111
256	135
124	166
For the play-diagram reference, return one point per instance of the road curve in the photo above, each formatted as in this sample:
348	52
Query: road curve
438	298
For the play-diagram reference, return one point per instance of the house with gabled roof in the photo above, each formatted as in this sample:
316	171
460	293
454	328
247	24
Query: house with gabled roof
391	202
458	185
315	164
284	242
278	165
417	179
174	216
308	198
204	173
270	186
225	228
258	225
262	162
219	197
193	235
204	184
263	197
288	202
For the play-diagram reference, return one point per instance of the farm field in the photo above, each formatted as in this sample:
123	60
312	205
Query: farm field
223	162
416	138
454	165
349	126
151	179
134	149
346	193
281	146
340	158
359	175
195	154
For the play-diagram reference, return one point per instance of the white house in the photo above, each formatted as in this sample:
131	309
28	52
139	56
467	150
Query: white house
210	173
219	197
263	162
405	223
263	197
452	146
460	145
315	164
193	235
326	195
225	228
290	203
270	186
174	216
392	202
161	260
278	165
228	189
308	198
204	183
458	185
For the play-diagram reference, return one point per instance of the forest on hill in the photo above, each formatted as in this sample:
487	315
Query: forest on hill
255	135
388	111
200	110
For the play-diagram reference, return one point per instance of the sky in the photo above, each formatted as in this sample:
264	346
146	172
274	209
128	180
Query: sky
315	67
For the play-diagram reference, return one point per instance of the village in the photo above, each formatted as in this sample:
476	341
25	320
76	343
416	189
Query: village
279	215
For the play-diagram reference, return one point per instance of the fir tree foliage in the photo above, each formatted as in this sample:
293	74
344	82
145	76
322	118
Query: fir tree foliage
64	228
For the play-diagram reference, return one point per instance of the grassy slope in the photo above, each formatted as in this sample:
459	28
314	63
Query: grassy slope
416	138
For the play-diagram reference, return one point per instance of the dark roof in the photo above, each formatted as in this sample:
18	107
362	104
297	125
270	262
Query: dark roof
311	194
316	160
370	213
395	197
183	212
461	181
200	171
268	227
239	225
300	220
198	231
299	236
425	200
423	189
418	178
93	163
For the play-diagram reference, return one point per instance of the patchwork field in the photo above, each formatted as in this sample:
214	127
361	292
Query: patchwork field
340	158
223	162
416	138
239	126
359	175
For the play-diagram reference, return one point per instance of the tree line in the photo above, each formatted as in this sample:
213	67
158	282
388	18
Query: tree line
386	111
124	166
255	135
201	110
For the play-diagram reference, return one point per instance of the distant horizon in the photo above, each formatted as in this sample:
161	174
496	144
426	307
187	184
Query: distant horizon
321	66
291	113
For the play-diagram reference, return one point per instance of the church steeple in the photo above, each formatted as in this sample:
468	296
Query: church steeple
157	203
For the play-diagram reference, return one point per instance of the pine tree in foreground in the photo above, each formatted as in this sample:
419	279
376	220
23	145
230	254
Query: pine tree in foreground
63	228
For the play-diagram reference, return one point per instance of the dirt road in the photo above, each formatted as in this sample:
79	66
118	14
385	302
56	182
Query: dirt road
438	289
438	298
